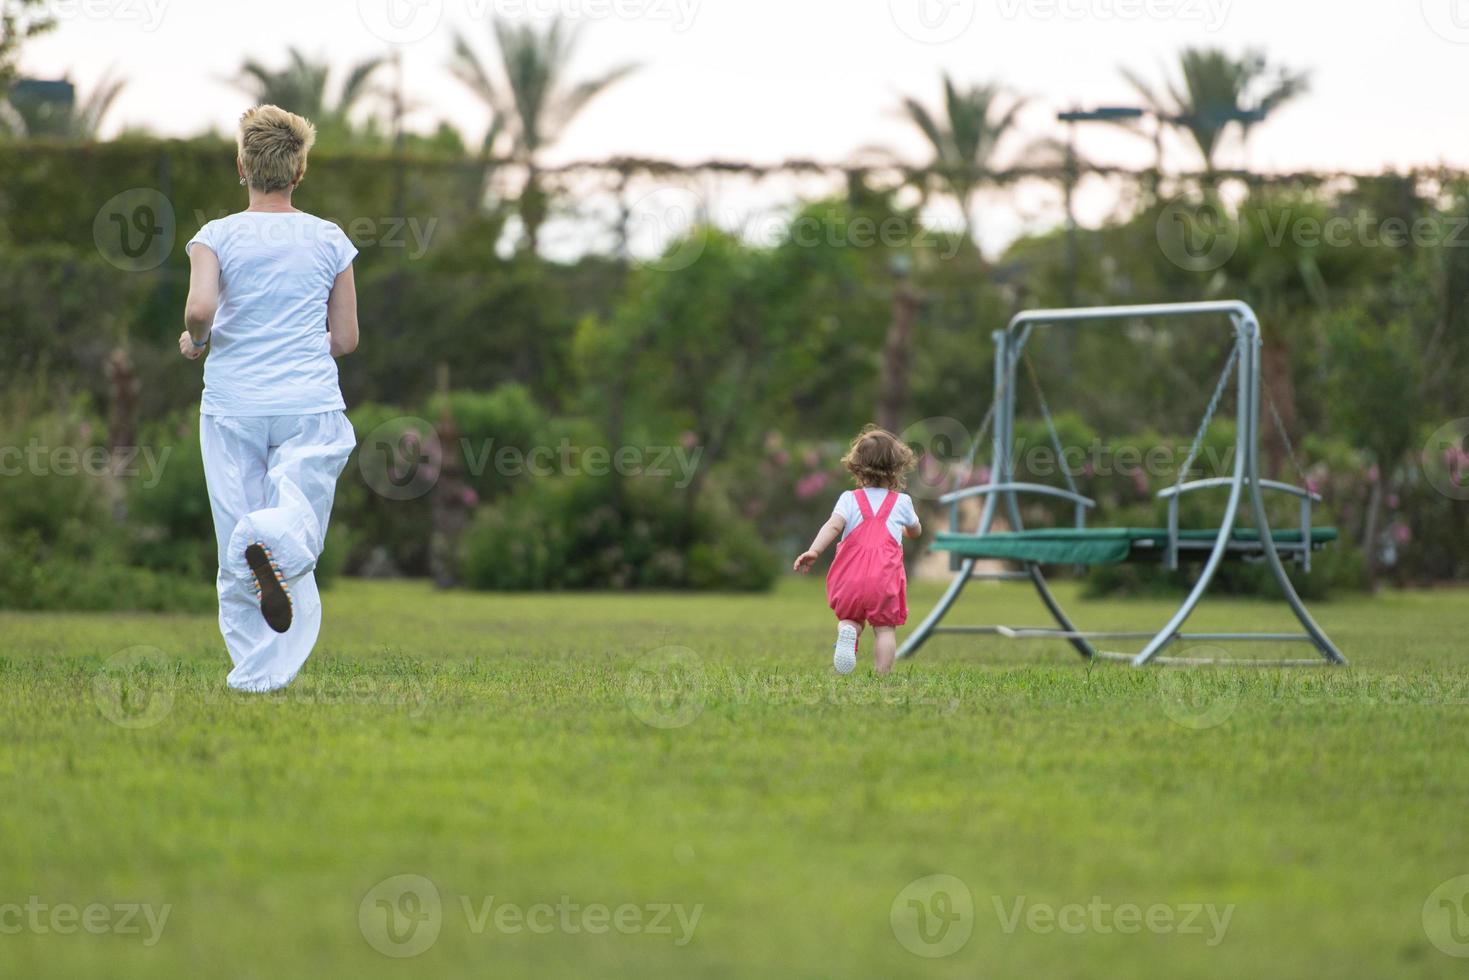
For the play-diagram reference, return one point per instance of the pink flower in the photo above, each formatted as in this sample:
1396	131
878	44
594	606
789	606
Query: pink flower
813	459
468	497
810	485
688	439
1373	473
1140	482
782	458
1401	533
1393	502
1313	485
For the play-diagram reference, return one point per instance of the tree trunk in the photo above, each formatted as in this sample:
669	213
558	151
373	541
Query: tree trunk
1369	534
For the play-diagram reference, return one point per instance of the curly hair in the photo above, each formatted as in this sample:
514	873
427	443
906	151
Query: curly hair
878	458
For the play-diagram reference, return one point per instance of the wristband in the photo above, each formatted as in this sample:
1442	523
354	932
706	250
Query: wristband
199	344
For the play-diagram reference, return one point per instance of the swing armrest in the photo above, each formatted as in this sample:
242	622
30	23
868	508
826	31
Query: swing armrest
1307	497
1225	481
1039	489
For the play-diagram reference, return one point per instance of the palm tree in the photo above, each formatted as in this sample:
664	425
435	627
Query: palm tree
1216	90
63	117
531	101
964	139
301	87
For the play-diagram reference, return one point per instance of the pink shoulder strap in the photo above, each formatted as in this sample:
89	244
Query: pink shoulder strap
887	505
863	504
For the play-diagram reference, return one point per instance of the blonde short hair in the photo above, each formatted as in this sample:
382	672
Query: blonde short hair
273	147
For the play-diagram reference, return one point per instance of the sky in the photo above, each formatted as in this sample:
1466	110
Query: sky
766	80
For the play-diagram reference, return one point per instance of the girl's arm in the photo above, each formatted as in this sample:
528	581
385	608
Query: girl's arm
829	532
203	301
341	314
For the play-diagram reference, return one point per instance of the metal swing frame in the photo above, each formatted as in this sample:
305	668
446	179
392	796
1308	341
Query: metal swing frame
1244	484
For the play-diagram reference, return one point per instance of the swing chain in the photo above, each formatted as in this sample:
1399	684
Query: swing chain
1198	443
1055	436
1290	450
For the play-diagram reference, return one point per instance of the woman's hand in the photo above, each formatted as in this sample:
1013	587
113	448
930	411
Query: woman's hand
805	560
187	348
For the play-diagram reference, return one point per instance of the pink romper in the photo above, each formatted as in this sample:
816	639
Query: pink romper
866	583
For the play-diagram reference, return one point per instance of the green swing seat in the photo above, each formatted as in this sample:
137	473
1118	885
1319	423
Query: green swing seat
1113	545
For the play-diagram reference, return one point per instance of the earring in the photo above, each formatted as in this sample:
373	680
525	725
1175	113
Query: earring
242	181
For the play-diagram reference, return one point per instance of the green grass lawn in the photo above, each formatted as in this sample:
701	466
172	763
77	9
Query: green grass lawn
642	757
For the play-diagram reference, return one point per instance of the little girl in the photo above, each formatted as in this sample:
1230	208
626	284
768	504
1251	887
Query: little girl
866	583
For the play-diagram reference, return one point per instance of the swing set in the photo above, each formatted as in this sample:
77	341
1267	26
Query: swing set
1171	545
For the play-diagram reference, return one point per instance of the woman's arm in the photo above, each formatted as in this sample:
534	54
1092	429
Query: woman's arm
829	532
203	301
341	314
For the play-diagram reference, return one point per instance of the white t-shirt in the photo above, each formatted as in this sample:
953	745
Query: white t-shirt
902	515
269	351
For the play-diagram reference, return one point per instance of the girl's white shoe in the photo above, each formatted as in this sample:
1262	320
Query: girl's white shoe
844	659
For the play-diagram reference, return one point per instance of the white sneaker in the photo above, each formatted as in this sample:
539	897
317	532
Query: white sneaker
844	659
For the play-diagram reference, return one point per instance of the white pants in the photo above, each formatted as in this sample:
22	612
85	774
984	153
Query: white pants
271	480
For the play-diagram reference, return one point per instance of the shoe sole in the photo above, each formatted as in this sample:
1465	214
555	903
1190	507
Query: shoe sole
846	644
270	585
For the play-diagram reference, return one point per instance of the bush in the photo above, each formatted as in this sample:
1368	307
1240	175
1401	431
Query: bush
60	544
595	533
